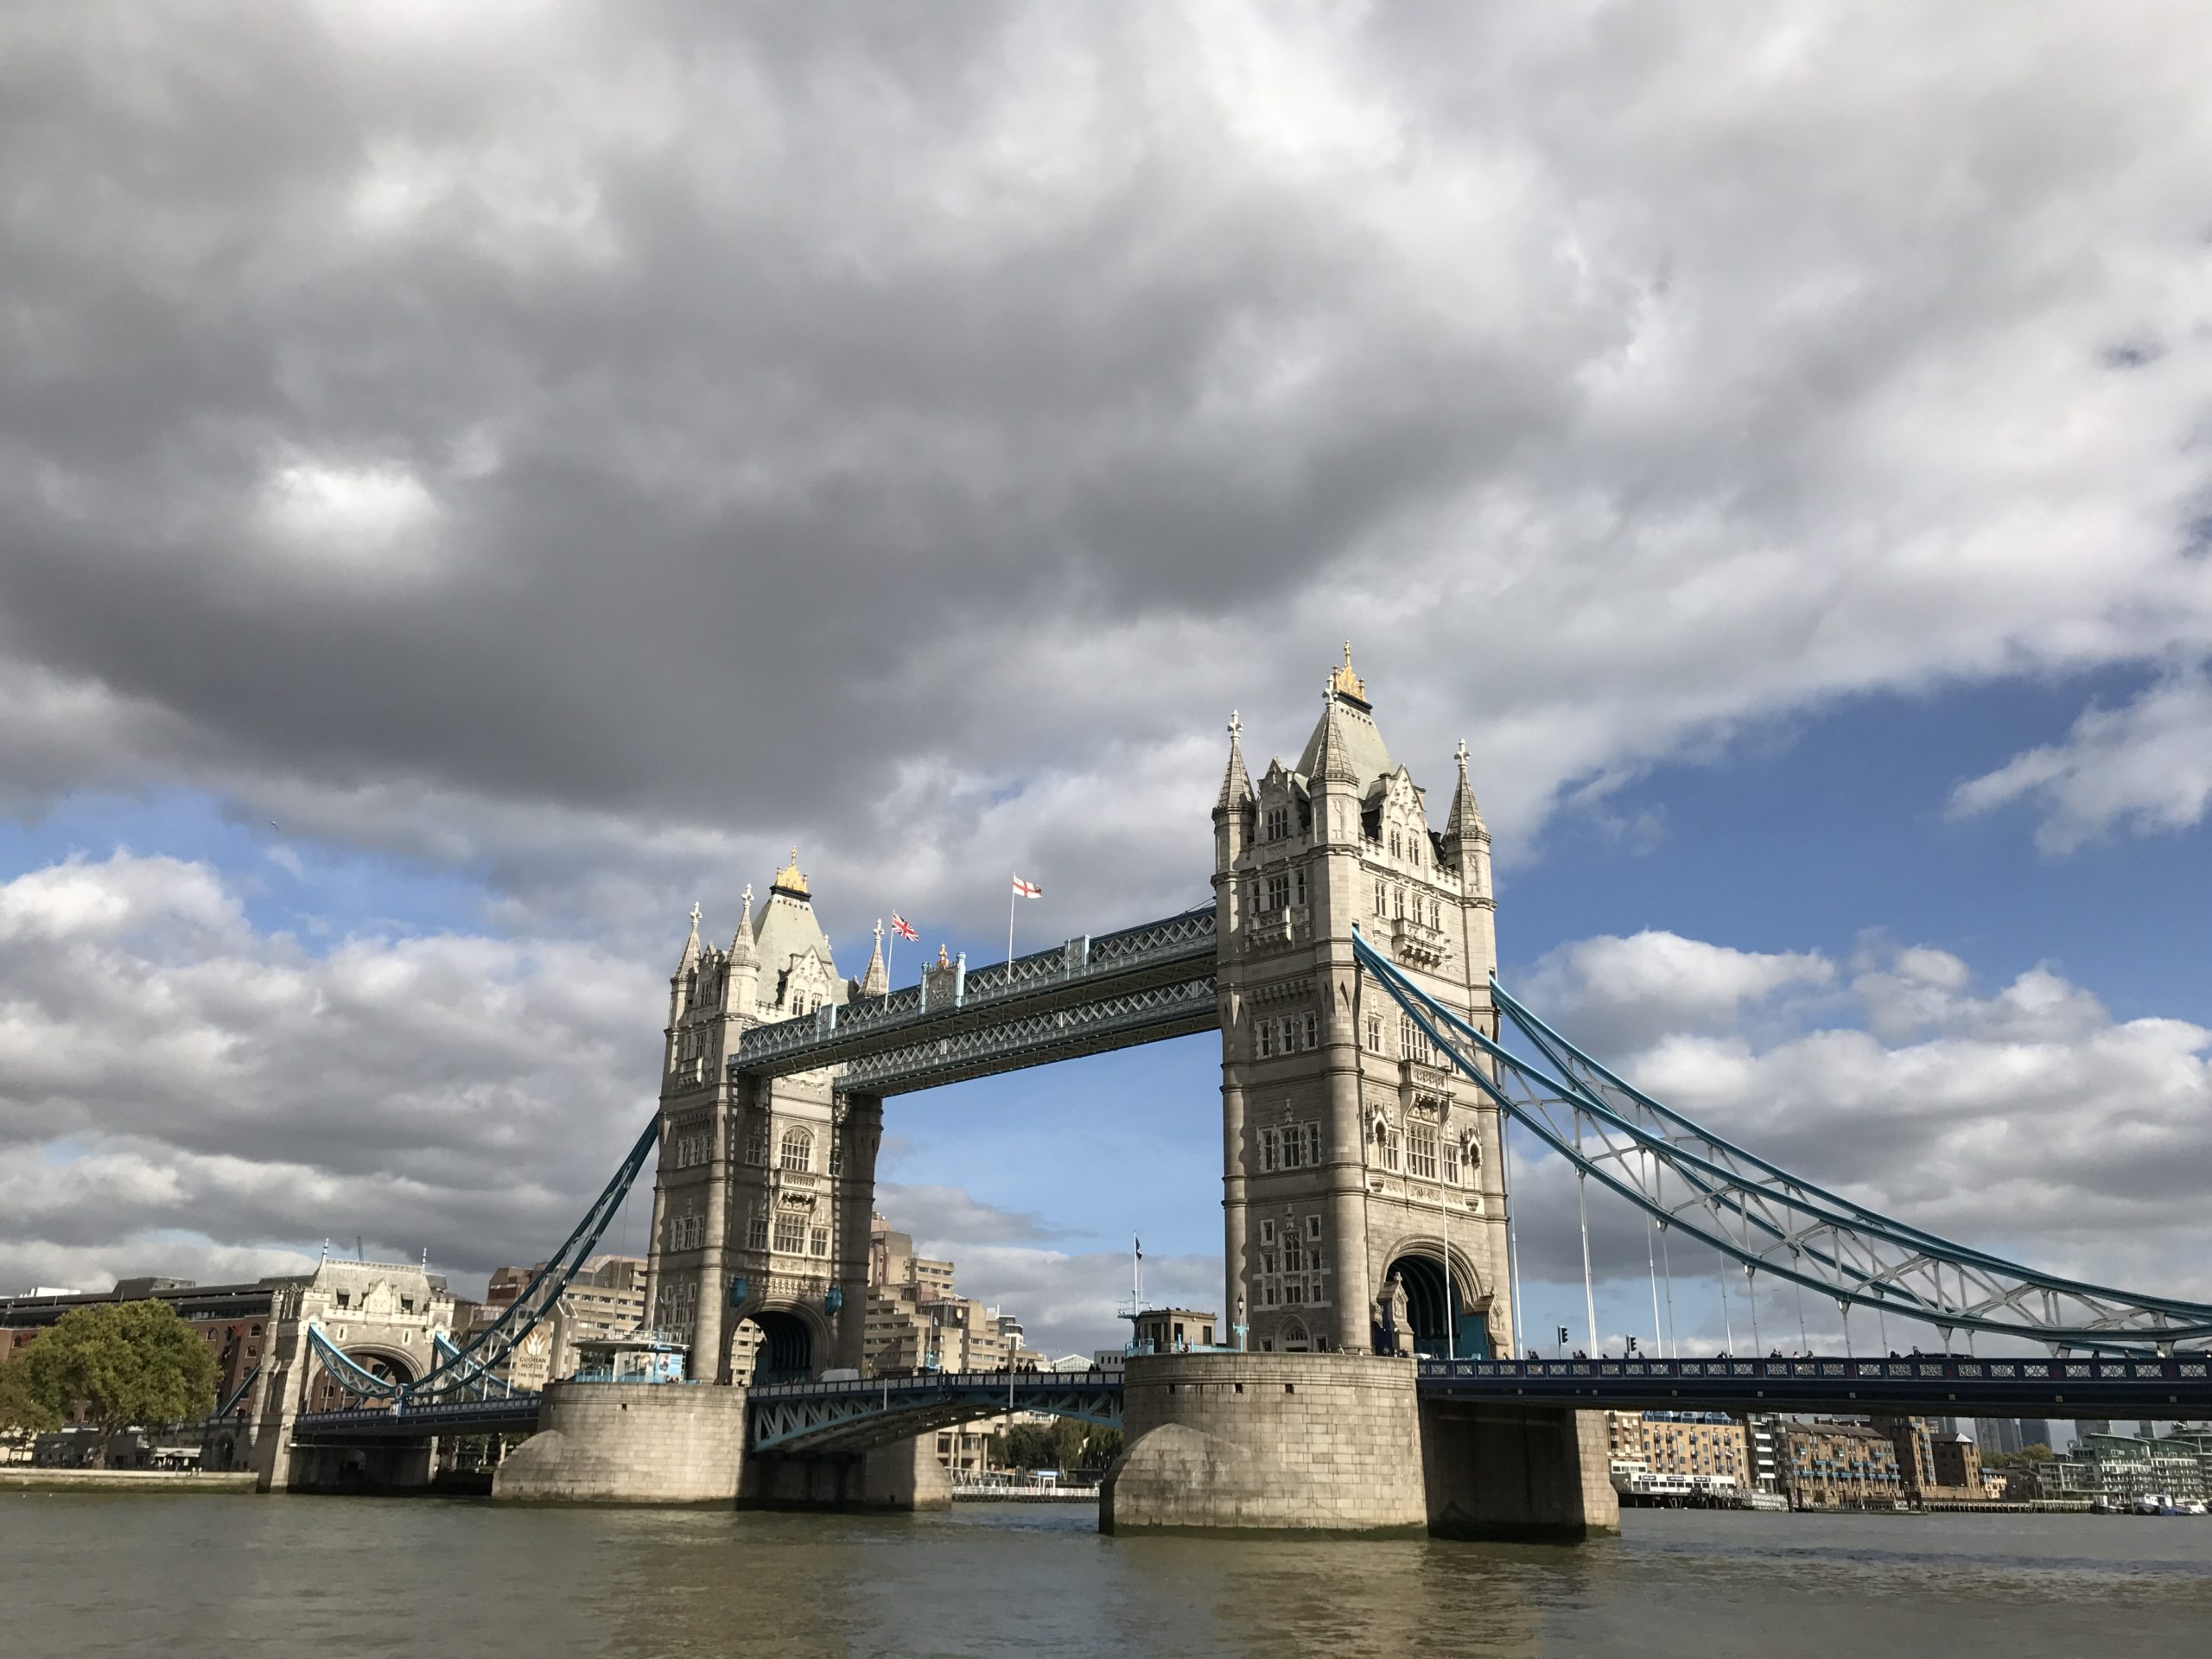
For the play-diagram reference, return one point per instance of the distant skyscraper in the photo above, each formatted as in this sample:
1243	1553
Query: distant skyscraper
1994	1434
2086	1427
2034	1431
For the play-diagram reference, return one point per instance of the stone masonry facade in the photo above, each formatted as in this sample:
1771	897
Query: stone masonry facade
764	1187
1351	1150
1267	1442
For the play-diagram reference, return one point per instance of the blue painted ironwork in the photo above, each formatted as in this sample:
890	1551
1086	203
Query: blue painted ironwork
485	1384
1943	1385
514	1414
466	1366
1764	1218
854	1415
1138	985
230	1403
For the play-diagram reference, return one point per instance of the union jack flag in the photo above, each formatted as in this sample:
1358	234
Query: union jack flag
899	925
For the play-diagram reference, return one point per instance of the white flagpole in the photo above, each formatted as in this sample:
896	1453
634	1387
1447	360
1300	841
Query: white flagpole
890	949
1013	897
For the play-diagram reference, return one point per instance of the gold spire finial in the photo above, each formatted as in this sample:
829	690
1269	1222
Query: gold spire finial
1344	683
790	880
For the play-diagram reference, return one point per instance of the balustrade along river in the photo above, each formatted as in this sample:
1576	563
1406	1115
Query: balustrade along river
184	1575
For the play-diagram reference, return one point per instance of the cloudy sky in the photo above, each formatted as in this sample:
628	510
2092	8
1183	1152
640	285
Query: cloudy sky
475	479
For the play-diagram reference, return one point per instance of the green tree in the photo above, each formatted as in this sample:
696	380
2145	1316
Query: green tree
118	1365
22	1412
1100	1446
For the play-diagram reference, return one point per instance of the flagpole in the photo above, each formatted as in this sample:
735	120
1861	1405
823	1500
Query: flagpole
1013	894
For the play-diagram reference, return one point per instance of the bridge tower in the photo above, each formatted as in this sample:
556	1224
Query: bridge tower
1355	1164
765	1187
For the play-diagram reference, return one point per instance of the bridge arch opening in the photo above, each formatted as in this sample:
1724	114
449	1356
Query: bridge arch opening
1431	1308
782	1344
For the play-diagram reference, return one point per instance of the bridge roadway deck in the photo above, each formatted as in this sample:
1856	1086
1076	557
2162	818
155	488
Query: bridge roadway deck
854	1416
1923	1384
1141	985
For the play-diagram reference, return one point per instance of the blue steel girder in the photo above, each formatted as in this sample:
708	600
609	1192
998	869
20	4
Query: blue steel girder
1142	984
456	1370
230	1402
506	1414
855	1416
1764	1218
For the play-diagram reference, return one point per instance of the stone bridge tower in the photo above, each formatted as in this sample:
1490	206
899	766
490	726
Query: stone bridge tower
1352	1155
766	1186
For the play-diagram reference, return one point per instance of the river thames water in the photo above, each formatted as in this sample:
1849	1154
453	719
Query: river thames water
348	1579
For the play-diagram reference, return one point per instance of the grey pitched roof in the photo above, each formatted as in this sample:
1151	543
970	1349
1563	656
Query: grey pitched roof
1365	754
786	928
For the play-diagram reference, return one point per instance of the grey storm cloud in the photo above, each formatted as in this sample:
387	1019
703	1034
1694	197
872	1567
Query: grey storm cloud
685	428
589	448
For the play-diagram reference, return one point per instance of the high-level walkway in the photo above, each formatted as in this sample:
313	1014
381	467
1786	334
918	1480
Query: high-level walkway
1141	984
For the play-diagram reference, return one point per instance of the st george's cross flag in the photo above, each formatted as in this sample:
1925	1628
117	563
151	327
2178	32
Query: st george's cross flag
1027	889
902	927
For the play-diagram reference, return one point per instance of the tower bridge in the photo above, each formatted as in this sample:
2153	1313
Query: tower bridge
1370	1062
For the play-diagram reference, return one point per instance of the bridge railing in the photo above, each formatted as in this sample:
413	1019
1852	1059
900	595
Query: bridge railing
936	1381
1917	1367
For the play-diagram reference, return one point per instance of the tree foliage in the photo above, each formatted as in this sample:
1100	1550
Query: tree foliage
118	1365
22	1412
1062	1443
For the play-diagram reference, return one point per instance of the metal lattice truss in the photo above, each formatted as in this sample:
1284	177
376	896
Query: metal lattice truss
990	1018
1119	1019
1765	1218
853	1416
463	1371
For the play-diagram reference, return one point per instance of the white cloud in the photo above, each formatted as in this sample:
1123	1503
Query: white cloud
1638	378
373	520
166	1069
1623	994
2147	764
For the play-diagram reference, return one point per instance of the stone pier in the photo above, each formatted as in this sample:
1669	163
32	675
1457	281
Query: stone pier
1533	1474
904	1476
630	1443
1267	1443
1338	1443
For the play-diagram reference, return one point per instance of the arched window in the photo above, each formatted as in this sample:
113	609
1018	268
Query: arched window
797	1150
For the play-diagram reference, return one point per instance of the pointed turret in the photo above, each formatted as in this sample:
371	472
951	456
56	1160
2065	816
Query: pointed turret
875	982
1332	761
1465	842
1466	818
740	1000
1236	781
1232	813
680	982
741	952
